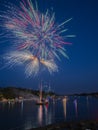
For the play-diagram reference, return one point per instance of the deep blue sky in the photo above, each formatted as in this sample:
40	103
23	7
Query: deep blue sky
79	73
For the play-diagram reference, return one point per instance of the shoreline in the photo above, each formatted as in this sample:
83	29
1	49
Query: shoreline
71	125
18	100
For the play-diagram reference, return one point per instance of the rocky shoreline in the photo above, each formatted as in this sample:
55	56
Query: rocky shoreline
81	125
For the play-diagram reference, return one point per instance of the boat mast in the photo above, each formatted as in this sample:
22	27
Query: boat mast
41	92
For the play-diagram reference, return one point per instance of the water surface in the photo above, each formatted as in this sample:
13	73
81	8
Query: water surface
26	115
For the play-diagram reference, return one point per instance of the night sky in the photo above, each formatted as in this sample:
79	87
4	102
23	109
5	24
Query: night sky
77	74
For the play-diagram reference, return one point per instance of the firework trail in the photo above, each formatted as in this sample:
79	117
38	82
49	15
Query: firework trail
36	32
31	62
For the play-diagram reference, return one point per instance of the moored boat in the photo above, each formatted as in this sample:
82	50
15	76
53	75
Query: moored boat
41	100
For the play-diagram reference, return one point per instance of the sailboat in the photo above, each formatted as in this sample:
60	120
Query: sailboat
41	100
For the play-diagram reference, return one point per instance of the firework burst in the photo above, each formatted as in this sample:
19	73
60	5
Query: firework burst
31	62
36	32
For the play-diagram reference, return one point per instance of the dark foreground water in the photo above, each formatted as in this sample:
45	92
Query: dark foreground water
26	115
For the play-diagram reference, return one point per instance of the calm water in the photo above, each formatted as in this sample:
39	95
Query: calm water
25	115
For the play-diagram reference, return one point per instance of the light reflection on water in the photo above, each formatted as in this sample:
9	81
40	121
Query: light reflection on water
65	106
27	114
76	107
40	114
